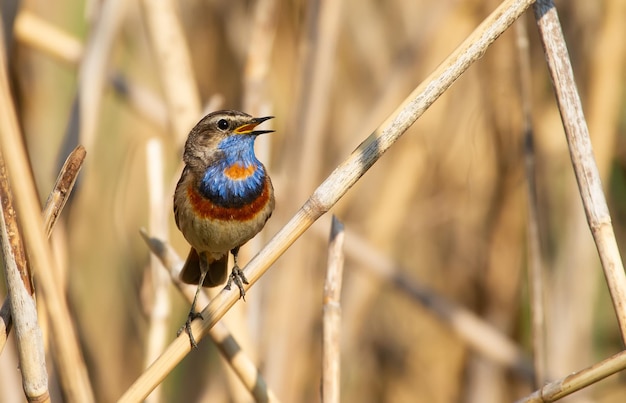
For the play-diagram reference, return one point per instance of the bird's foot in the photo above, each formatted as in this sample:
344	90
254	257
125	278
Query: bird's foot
187	327
239	279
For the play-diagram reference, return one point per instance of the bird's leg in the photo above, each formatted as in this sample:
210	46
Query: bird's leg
237	275
192	312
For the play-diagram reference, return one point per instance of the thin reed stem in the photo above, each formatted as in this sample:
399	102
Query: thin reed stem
62	188
581	153
331	316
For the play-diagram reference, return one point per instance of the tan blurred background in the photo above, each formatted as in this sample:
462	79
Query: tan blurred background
447	204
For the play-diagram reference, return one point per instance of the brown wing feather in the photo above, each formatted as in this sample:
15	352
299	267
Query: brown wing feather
179	189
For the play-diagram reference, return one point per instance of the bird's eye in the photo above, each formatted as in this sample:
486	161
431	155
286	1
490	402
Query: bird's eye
222	124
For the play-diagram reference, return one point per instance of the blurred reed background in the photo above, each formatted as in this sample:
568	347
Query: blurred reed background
447	205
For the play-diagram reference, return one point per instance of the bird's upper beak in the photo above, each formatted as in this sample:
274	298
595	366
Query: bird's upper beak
248	128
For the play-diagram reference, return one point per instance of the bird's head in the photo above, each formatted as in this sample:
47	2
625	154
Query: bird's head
218	132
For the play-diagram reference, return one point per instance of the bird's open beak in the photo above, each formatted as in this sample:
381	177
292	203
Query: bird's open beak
248	128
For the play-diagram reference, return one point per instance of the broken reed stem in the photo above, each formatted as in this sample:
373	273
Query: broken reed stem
337	184
331	325
581	153
29	337
54	205
535	266
62	188
232	352
558	389
72	371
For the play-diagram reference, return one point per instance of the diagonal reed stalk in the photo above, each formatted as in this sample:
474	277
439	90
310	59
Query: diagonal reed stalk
226	343
581	152
338	183
560	388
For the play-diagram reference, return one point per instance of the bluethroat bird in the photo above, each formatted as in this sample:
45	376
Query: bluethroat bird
223	199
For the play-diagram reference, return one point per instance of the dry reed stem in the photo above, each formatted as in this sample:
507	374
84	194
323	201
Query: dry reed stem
535	266
62	188
43	36
337	184
94	68
29	337
54	205
331	317
174	65
72	371
241	363
558	389
13	231
160	305
581	152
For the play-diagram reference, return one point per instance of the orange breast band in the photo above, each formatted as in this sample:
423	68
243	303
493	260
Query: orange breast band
239	172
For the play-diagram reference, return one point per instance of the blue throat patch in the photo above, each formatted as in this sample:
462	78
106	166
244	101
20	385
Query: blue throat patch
225	191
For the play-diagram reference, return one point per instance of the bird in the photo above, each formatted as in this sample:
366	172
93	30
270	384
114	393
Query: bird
223	199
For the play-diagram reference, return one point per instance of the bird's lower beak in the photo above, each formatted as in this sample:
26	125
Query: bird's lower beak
248	128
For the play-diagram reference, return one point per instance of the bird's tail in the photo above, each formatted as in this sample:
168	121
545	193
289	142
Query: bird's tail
217	269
